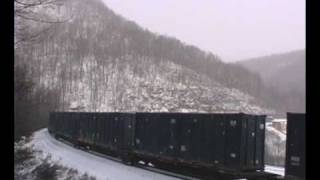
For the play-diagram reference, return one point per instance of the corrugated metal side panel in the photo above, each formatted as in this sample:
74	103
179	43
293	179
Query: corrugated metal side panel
99	130
118	131
62	124
65	125
155	133
68	128
243	140
108	126
194	136
85	127
133	131
174	145
115	130
54	122
59	122
260	139
112	130
204	137
82	126
197	139
76	117
184	137
233	151
93	127
107	129
250	141
51	121
72	120
128	130
206	132
295	148
212	138
218	139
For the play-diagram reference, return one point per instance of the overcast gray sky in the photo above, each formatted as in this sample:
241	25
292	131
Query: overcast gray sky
232	29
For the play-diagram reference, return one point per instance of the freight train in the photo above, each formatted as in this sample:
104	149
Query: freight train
224	146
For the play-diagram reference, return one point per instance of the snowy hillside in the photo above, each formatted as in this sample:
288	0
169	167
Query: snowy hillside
99	61
161	87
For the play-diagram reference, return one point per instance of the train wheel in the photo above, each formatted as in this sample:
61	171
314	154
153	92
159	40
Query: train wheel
128	160
76	145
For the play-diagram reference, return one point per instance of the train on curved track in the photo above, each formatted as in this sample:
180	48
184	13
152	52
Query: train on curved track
208	146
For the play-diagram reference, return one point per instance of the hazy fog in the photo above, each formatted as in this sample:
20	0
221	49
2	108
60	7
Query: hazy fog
232	29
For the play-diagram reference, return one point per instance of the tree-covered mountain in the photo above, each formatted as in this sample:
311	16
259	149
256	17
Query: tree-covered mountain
285	73
97	60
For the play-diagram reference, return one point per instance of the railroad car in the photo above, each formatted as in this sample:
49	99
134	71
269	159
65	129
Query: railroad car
295	146
108	133
230	144
234	141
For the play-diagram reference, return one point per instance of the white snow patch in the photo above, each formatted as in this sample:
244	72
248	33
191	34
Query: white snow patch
281	135
279	120
184	110
268	124
274	169
74	104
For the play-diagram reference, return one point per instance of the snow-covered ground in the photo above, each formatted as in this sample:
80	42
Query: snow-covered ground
274	169
84	162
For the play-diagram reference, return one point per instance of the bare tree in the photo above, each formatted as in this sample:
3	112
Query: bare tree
32	18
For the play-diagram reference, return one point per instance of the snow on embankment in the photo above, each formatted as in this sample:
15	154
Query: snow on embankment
274	170
275	147
84	162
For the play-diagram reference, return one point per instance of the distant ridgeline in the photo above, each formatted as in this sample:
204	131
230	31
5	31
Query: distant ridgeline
285	73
